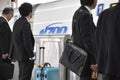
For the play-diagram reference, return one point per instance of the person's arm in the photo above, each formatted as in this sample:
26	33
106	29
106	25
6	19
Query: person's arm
98	30
27	38
4	36
88	37
4	39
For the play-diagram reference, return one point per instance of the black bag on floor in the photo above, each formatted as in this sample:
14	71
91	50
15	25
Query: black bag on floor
73	57
6	70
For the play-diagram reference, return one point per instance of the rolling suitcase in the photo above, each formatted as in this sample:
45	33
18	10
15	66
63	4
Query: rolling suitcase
46	72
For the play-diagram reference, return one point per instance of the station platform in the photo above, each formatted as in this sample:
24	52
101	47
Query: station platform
16	73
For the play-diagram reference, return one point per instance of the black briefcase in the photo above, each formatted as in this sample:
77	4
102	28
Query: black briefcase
6	70
73	57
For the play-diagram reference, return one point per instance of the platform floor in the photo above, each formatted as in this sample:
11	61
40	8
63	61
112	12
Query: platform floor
16	73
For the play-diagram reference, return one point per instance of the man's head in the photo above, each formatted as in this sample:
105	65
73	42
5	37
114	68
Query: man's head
26	10
8	13
89	3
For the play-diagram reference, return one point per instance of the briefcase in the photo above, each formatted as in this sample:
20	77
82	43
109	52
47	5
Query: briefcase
73	57
6	70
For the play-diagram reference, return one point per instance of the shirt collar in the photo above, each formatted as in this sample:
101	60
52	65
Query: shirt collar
27	19
5	18
88	9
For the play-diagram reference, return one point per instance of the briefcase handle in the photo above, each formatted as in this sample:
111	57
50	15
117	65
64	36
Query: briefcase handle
73	57
69	40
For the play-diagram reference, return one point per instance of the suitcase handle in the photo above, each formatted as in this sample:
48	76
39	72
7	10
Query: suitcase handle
42	47
46	64
41	59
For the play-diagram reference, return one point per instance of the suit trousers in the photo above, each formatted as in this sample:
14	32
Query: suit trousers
3	78
25	69
85	78
110	77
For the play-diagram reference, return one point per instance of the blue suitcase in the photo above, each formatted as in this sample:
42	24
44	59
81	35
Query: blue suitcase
47	73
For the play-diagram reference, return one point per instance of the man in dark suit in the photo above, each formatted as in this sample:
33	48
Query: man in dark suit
23	42
83	30
108	43
5	35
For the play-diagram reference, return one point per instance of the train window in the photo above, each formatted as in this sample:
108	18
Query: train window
113	4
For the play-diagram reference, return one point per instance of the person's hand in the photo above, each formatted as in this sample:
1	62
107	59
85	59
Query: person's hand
32	59
4	56
94	67
13	60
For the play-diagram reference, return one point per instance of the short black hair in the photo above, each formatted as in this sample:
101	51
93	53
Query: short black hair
8	10
87	2
25	9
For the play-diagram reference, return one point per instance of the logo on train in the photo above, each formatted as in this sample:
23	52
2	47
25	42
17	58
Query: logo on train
54	28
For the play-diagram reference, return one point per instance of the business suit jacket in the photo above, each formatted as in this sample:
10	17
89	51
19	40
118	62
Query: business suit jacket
83	30
22	41
5	36
108	41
